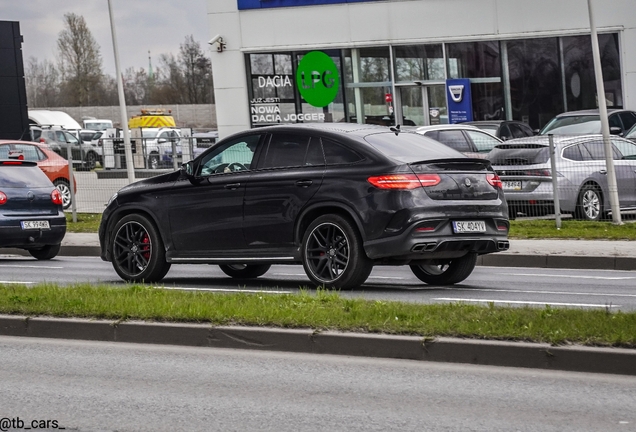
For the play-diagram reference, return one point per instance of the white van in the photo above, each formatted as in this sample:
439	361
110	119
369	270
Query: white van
97	124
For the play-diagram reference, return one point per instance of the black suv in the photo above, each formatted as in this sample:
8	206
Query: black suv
337	198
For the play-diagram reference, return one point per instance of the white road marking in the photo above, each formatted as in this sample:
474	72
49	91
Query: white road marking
539	292
572	276
16	282
226	290
30	266
525	302
303	274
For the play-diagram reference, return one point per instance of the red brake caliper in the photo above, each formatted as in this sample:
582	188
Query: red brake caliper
146	248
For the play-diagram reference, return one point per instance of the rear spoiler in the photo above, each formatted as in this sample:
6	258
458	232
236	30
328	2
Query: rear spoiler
468	164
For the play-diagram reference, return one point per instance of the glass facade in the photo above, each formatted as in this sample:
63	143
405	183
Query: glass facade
529	80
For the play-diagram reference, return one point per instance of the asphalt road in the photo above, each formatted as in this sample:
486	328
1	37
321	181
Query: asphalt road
99	386
611	289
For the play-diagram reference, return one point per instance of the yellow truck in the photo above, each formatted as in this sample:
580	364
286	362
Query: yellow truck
151	119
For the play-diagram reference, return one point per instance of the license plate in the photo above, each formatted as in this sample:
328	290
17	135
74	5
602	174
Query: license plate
511	185
27	225
469	226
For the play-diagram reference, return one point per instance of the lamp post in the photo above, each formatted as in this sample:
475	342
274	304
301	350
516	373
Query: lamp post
122	102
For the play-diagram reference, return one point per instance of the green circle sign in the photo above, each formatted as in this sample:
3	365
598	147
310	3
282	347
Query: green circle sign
317	79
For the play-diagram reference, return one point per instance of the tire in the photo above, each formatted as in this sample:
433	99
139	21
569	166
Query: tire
138	254
332	253
90	161
446	272
589	205
245	271
46	253
65	189
153	161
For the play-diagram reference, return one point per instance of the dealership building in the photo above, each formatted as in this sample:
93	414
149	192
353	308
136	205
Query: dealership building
415	62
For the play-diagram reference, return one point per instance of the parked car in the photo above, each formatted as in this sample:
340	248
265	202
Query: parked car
53	165
337	198
87	135
84	154
156	142
503	129
524	168
589	122
469	140
31	215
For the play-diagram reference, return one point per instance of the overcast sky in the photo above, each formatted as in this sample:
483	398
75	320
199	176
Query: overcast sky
158	26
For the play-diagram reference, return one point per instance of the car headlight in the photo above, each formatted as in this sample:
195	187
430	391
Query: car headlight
113	198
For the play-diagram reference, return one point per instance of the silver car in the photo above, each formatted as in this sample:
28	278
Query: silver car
524	168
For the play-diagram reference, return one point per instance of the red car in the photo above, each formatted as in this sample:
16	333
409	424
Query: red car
54	166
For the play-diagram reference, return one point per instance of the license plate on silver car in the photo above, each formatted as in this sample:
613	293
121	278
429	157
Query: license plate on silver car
511	185
28	225
469	226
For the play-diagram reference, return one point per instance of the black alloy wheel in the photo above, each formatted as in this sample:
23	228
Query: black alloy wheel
244	271
446	271
46	253
333	255
590	204
91	161
138	253
65	189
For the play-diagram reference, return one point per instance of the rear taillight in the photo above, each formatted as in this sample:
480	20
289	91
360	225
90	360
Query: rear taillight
3	198
404	181
42	140
56	197
494	180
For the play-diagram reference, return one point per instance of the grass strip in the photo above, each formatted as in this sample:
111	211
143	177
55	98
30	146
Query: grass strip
323	310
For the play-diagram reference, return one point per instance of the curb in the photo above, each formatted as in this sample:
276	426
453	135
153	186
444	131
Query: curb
478	352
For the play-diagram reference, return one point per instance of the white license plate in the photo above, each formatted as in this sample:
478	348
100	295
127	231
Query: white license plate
469	226
27	225
511	185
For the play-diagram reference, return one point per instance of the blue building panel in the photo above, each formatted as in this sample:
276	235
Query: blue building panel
263	4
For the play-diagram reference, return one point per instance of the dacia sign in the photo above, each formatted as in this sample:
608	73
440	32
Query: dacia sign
264	4
460	101
317	79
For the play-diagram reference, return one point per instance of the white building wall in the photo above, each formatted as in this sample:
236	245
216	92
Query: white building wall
398	22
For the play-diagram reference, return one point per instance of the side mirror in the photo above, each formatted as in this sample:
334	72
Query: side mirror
162	140
187	169
615	130
535	131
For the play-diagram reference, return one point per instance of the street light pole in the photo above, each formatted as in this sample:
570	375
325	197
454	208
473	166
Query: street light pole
122	102
602	111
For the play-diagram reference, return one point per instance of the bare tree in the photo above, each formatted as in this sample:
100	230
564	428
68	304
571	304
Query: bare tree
80	62
42	83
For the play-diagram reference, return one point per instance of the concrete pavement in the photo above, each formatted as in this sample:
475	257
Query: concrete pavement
618	255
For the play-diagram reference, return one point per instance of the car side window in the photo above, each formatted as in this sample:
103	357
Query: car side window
337	154
482	141
626	148
597	150
236	155
286	150
4	151
504	132
71	138
516	131
454	139
59	136
629	119
615	121
573	153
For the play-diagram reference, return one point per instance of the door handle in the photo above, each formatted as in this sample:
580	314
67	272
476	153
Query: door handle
304	183
603	172
232	186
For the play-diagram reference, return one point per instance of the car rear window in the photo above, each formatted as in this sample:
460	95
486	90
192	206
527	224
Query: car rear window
575	125
519	154
410	147
20	176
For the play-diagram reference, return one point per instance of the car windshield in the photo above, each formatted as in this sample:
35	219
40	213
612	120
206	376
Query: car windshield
410	147
573	125
631	134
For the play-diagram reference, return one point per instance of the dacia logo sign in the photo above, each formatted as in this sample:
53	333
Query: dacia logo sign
317	79
456	92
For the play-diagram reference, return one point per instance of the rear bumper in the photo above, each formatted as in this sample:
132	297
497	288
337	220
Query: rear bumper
441	243
15	237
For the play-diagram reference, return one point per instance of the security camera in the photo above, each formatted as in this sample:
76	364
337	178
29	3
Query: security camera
215	39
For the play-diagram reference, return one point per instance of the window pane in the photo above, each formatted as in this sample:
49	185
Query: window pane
454	139
473	60
580	83
233	156
573	153
535	80
336	154
419	62
482	141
